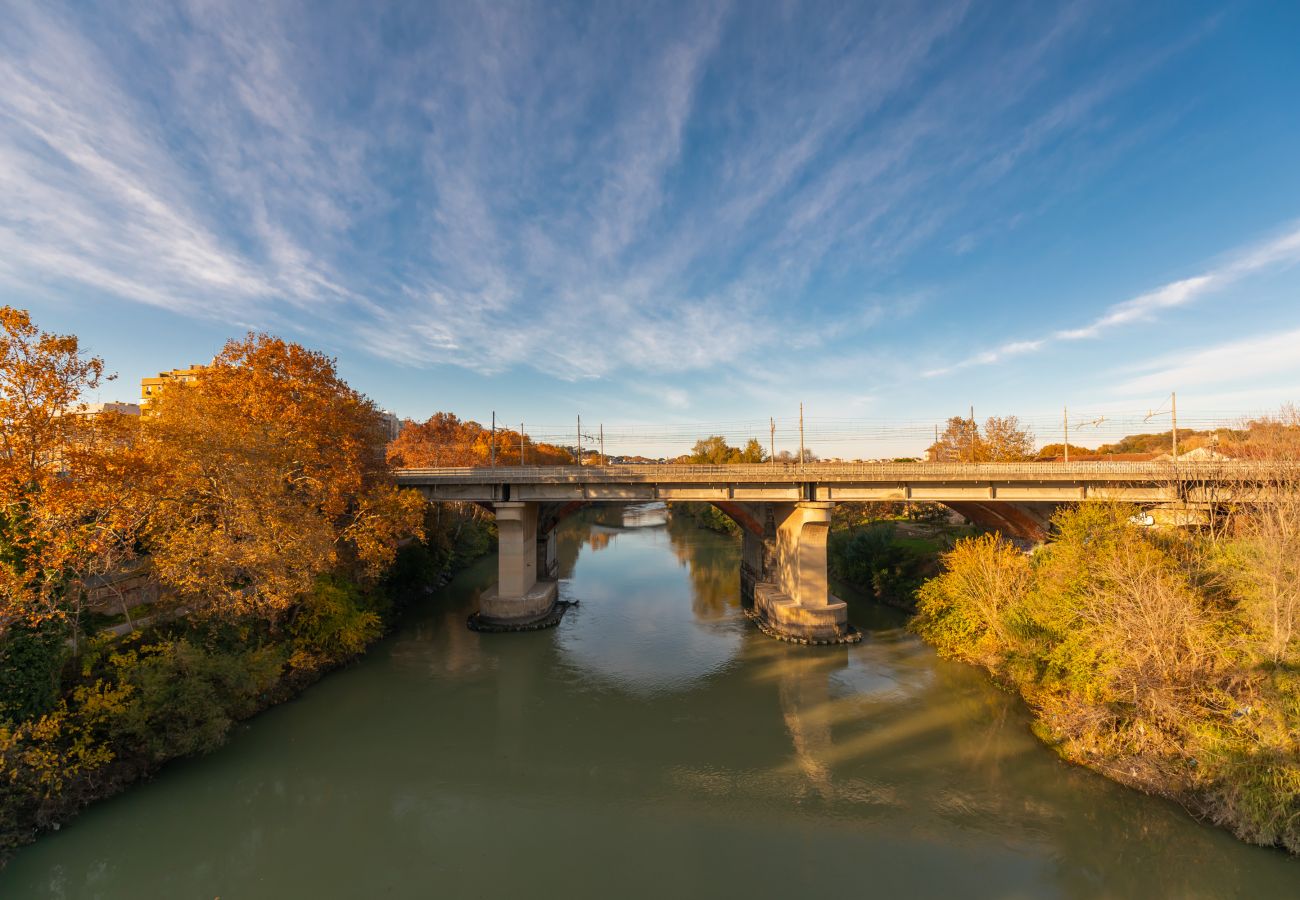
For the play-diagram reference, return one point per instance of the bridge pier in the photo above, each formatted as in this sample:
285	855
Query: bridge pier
519	598
791	594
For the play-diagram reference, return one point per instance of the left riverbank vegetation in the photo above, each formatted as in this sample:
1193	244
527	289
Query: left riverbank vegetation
260	501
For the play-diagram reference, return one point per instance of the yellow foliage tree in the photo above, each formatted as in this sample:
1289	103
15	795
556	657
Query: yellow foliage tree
271	473
70	503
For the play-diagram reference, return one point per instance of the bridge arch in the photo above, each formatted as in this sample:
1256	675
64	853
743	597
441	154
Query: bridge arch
1028	521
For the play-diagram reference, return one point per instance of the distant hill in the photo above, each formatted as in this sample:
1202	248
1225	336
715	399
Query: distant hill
1256	438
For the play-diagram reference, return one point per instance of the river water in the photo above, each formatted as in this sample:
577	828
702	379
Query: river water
655	744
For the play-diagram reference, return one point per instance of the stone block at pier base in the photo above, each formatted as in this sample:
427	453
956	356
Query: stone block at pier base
535	605
778	615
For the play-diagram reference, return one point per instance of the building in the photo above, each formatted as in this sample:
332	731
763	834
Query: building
151	387
122	409
392	424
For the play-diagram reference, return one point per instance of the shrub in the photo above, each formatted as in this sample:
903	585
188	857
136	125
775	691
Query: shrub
31	660
186	697
967	610
335	620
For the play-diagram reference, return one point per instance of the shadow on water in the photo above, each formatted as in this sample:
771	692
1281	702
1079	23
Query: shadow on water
654	744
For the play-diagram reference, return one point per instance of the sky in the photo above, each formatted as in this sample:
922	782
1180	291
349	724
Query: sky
675	219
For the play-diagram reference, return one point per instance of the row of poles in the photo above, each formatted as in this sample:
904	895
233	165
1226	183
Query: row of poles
1065	421
600	436
492	446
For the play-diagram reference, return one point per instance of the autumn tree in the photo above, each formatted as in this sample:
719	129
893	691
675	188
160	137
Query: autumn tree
1002	439
271	473
1005	440
715	450
446	440
1264	559
69	503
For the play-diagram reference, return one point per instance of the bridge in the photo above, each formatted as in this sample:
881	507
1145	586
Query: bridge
784	512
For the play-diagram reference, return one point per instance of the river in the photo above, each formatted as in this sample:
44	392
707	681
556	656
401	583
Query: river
655	744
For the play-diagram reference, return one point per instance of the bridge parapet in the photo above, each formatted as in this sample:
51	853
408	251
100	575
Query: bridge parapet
934	482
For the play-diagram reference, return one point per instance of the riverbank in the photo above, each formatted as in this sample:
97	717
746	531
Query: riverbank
128	705
1149	657
1143	656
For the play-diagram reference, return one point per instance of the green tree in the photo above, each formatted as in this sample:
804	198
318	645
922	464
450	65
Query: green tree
715	451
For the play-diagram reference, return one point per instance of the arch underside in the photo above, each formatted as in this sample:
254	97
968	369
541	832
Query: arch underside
1027	520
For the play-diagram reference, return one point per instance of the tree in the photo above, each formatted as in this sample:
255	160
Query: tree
1054	451
959	441
1002	439
270	473
67	484
1264	562
752	452
446	440
715	450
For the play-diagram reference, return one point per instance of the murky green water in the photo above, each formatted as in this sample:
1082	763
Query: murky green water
654	745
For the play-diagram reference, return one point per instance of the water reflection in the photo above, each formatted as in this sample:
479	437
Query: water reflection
713	563
645	515
654	744
633	626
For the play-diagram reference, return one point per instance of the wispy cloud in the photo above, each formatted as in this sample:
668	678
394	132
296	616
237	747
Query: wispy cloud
511	186
1254	358
1277	252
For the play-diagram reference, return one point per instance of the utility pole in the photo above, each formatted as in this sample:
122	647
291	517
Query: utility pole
771	440
938	451
1067	434
602	444
492	449
579	439
972	433
521	443
1173	412
801	433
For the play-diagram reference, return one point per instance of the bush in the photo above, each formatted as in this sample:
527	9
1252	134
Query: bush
31	661
186	698
335	620
871	559
969	609
1137	660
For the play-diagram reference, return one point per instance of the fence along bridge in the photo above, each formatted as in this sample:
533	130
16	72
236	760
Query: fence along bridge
784	511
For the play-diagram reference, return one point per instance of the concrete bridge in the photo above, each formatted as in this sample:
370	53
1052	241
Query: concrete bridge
784	512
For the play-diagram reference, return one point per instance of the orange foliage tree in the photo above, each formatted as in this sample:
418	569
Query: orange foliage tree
270	474
70	502
446	440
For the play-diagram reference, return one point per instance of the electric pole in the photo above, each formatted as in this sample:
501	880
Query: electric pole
972	434
1173	412
771	440
1067	434
801	434
521	443
492	449
602	444
579	439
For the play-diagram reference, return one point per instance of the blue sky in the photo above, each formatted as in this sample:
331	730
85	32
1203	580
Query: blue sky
673	213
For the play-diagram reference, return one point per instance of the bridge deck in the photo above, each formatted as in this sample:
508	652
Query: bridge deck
1017	482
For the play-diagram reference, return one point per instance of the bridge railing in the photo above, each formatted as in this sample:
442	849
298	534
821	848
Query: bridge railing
1054	471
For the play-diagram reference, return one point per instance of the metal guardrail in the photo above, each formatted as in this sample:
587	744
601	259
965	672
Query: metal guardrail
794	472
